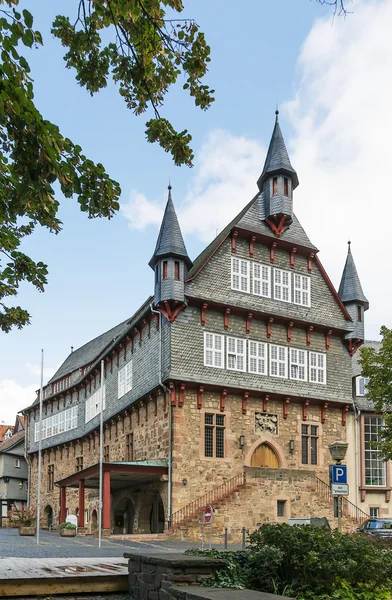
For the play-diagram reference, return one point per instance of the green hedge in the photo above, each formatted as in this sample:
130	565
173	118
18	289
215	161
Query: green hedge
308	563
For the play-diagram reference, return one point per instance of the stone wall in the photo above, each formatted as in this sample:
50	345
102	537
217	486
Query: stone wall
150	441
203	474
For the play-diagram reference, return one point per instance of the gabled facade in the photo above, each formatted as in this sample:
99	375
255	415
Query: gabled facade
235	374
13	474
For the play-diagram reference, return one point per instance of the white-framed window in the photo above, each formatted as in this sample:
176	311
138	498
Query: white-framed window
261	280
213	350
317	367
93	404
236	354
125	379
298	364
278	361
282	283
257	357
362	385
301	290
240	274
17	463
58	423
375	465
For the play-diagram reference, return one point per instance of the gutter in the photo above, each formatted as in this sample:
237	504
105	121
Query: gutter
170	451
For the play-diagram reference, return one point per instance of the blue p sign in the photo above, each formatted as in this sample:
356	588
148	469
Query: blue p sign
339	474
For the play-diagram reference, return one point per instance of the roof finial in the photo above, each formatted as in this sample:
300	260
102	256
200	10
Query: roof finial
169	187
349	246
276	113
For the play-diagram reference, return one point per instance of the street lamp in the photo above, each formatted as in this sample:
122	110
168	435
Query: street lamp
338	452
20	485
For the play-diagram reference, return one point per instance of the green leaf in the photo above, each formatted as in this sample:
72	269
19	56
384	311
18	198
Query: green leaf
28	18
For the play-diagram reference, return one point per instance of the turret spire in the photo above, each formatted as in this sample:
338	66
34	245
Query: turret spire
350	289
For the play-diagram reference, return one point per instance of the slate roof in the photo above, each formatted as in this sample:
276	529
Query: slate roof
12	441
277	158
249	219
170	241
350	289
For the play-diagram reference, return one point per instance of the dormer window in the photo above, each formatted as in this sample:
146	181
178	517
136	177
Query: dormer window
359	314
275	186
176	270
285	186
164	269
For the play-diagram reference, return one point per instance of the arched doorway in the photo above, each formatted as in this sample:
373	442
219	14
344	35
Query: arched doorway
264	456
157	515
48	512
124	515
94	520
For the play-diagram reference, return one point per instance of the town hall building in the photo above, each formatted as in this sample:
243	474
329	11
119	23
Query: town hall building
225	387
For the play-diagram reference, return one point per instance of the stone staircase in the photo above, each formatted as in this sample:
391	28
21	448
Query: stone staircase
249	499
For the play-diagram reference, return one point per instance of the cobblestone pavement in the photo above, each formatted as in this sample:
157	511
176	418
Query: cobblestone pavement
12	545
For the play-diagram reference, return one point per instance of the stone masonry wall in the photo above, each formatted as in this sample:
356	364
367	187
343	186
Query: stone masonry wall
204	474
150	441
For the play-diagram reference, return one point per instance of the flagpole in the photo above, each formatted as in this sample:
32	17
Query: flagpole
40	447
100	456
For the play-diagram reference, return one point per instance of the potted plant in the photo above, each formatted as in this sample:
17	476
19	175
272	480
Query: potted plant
24	518
67	530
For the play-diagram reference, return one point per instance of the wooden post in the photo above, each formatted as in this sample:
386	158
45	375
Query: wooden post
81	504
63	504
106	500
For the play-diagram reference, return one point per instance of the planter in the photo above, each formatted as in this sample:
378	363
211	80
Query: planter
27	530
67	532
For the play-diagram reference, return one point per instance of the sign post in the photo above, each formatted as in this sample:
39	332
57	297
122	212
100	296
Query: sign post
339	487
207	520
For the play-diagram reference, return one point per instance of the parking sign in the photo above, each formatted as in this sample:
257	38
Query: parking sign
339	474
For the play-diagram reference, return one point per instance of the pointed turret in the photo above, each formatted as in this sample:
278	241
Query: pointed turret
276	184
353	298
170	262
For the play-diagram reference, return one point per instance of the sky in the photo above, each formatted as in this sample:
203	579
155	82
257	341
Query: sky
331	78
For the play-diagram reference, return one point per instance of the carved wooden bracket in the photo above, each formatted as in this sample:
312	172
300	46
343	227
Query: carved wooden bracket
172	394
251	245
138	333
305	410
310	260
222	400
147	323
181	395
272	251
308	332
226	318
265	403
248	321
286	407
234	241
200	397
327	335
269	326
324	412
244	400
292	257
345	410
290	325
203	314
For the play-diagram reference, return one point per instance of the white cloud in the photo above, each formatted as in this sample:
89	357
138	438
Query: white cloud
341	148
14	397
35	370
225	176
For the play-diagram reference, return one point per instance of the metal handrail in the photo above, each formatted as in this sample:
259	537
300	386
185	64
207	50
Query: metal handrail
348	508
214	495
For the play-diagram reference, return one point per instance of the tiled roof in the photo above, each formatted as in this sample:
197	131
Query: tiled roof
15	439
350	289
170	241
277	158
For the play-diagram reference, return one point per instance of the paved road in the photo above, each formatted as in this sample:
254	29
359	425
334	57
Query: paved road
12	545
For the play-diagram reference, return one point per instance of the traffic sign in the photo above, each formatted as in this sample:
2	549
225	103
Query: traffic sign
339	489
208	513
339	474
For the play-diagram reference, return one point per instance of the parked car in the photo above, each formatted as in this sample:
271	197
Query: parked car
378	527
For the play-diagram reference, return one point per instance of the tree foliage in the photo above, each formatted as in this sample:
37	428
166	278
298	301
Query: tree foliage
376	364
144	53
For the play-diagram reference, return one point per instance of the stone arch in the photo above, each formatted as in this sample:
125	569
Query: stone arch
48	513
123	514
151	518
271	443
94	520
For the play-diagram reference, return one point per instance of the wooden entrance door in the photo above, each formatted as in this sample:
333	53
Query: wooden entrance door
264	456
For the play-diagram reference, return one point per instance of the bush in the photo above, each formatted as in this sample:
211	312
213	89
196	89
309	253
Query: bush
307	563
67	526
22	515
